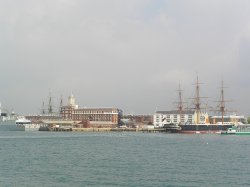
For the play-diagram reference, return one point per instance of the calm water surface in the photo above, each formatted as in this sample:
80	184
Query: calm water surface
123	159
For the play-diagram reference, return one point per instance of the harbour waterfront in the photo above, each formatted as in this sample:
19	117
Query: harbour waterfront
123	159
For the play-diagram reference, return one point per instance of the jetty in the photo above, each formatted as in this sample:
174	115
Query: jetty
70	129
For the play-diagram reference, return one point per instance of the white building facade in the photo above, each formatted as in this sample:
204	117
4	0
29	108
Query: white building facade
173	116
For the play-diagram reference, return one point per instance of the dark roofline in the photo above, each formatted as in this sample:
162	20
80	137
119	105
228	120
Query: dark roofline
175	112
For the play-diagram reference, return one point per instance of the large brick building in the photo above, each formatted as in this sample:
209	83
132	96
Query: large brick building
94	117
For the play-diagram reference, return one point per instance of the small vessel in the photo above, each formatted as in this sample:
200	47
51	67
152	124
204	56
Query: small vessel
171	127
237	130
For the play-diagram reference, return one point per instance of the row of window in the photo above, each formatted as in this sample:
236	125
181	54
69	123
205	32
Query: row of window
175	116
92	112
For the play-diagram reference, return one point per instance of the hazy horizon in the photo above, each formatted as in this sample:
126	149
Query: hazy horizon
125	54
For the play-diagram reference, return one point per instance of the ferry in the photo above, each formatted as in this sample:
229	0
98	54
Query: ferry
237	130
171	127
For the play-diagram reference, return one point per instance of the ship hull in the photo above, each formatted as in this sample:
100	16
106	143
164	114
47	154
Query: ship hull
203	128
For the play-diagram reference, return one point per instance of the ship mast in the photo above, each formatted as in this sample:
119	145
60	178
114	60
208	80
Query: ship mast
43	110
222	102
180	104
197	101
61	105
50	110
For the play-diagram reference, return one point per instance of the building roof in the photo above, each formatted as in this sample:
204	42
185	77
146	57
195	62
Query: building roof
175	112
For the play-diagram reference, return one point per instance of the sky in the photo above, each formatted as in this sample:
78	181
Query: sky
129	54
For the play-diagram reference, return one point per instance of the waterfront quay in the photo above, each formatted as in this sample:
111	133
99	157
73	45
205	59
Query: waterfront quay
67	129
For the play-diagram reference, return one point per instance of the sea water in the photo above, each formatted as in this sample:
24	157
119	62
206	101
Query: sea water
35	159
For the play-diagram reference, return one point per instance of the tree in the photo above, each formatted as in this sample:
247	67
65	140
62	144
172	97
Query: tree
248	120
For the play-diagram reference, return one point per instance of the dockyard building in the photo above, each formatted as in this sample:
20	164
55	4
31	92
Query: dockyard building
233	119
191	117
91	117
134	121
173	116
188	116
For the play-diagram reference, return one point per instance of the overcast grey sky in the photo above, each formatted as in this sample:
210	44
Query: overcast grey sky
129	54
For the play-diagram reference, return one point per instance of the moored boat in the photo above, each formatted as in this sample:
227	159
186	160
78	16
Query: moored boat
171	127
237	130
204	123
197	120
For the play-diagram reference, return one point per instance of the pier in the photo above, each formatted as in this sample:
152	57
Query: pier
70	129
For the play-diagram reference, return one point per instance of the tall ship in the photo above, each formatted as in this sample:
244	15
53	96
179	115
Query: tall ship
48	117
203	123
197	119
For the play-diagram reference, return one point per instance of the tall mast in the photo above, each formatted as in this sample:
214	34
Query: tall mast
222	102
43	109
50	110
180	104
61	105
197	99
